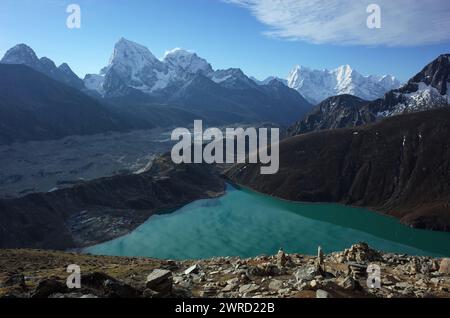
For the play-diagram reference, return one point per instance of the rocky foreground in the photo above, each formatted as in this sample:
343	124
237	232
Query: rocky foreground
42	274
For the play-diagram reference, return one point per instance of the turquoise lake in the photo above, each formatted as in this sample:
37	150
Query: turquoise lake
244	223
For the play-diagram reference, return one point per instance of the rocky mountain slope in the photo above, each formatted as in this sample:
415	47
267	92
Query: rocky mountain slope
334	112
102	209
399	166
24	55
426	90
34	106
42	274
318	85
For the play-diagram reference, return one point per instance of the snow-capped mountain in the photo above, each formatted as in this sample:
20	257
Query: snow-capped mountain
23	54
318	85
426	90
429	89
133	67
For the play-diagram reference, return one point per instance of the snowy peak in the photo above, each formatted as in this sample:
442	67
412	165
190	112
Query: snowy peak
318	85
426	90
131	66
130	60
131	53
184	61
436	74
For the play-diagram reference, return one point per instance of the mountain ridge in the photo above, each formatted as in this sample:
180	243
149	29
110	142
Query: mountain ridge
23	54
318	85
428	89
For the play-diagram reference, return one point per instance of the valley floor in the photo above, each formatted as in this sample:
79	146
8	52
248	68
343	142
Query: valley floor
42	274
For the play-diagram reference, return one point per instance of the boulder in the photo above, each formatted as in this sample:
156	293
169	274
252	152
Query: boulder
117	289
305	273
48	287
444	267
161	281
108	286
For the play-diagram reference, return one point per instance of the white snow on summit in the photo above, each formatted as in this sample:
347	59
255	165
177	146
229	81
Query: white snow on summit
426	97
318	85
185	61
133	65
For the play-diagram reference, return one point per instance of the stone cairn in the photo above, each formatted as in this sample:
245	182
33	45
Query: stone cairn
320	265
281	259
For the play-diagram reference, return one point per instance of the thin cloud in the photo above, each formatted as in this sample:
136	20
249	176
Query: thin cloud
404	22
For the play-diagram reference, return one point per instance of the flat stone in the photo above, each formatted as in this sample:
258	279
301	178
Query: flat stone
322	294
276	284
192	269
249	288
158	276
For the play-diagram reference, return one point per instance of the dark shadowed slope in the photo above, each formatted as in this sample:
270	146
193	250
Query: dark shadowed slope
34	106
241	101
334	112
400	166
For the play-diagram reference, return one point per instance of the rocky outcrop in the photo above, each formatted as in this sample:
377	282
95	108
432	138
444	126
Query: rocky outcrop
399	166
343	275
335	112
103	209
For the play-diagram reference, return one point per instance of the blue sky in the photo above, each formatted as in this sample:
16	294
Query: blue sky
259	36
